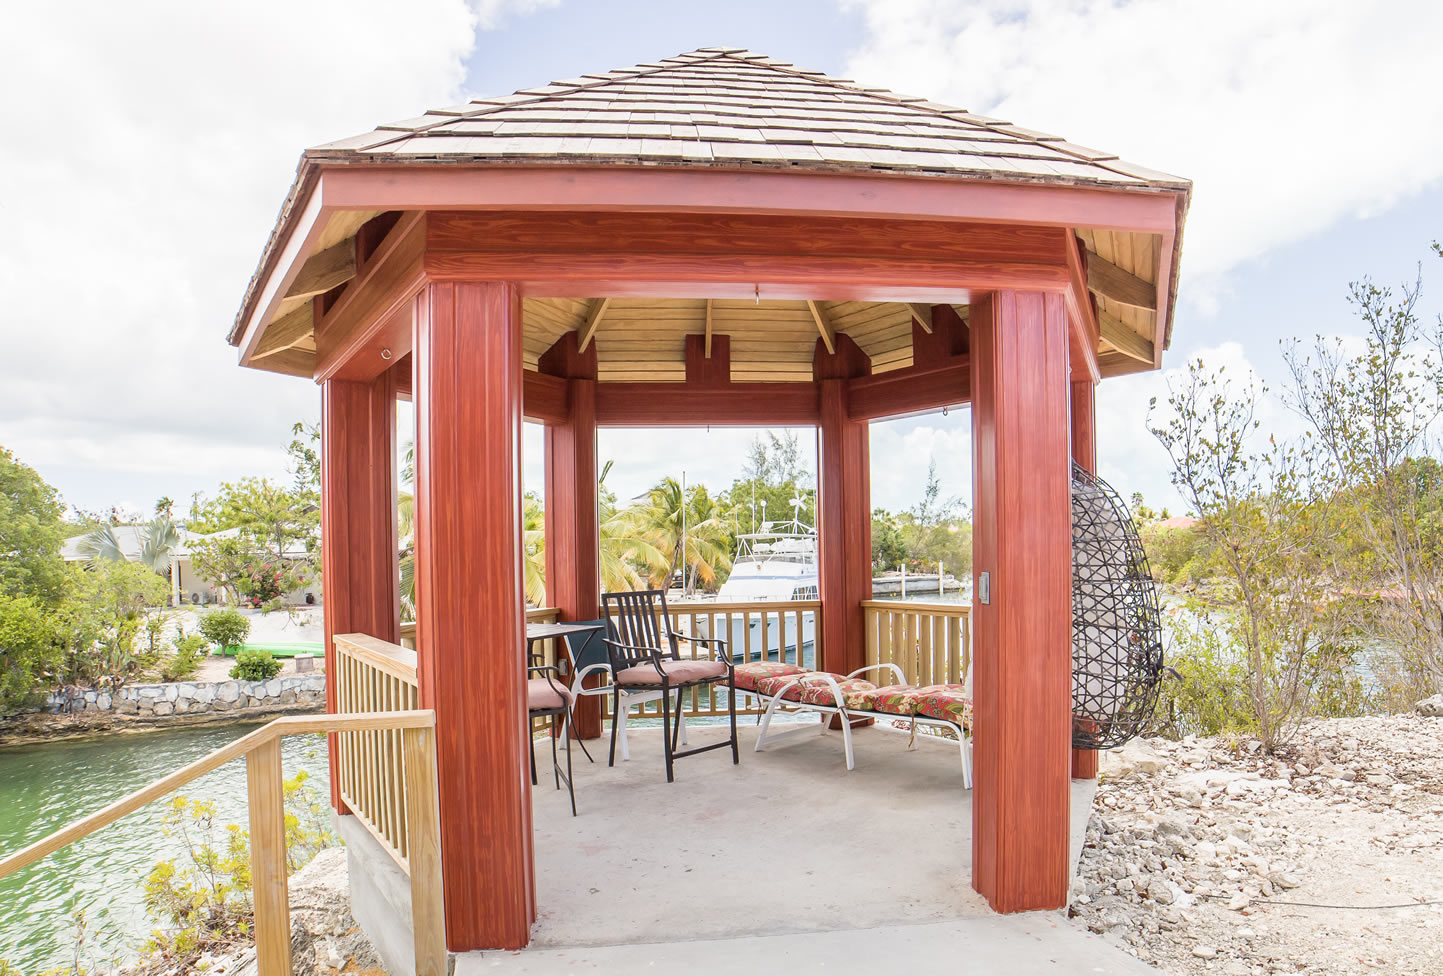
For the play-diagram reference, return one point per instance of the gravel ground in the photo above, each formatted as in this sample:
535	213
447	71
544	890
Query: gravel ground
1198	854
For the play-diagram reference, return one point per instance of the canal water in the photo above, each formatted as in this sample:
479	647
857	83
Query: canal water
44	787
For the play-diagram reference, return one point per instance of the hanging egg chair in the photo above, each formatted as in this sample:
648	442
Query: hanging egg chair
1116	632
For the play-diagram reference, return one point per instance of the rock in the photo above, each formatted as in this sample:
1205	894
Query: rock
1239	902
1137	756
164	708
172	692
272	688
228	691
1431	707
1205	952
1283	879
1159	892
102	702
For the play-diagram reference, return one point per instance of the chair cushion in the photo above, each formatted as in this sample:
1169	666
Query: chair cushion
947	702
541	694
771	686
820	693
747	675
678	672
889	699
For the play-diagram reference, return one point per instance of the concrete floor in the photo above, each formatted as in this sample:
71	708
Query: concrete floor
786	861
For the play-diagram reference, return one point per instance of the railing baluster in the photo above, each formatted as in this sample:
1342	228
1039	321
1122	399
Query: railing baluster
265	786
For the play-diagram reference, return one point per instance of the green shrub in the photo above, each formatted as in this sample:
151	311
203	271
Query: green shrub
186	659
225	628
255	665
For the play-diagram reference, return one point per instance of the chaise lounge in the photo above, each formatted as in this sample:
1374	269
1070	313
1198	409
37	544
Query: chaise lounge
783	685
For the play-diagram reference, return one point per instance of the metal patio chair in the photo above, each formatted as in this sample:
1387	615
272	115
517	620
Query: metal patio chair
548	696
589	655
645	656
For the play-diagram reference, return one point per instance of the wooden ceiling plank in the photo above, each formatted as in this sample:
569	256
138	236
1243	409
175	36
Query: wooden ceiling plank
1123	339
923	315
824	328
325	270
593	319
1112	282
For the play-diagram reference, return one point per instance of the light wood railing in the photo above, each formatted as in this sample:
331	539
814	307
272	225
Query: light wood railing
930	642
373	675
778	630
264	779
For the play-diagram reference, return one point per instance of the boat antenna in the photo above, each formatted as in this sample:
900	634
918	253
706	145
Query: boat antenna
754	506
684	561
797	510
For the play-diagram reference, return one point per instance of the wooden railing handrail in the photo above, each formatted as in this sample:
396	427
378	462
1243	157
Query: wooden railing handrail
382	655
915	606
741	606
264	788
291	725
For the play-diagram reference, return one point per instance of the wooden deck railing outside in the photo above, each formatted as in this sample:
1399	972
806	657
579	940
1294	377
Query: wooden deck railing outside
930	642
262	752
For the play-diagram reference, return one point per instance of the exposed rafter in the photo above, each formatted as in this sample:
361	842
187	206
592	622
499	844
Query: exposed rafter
1115	284
824	328
923	315
593	320
288	331
708	329
325	270
1124	340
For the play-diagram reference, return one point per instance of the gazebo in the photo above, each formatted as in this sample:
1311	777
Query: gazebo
716	238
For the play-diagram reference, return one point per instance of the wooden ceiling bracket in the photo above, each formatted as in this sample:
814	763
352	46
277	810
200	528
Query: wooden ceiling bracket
922	314
1123	339
593	320
325	270
1115	284
824	328
708	329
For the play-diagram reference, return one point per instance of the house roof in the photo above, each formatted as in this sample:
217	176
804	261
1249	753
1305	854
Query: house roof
730	107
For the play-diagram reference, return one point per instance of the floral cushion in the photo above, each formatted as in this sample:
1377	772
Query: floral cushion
771	686
949	703
747	675
818	692
891	699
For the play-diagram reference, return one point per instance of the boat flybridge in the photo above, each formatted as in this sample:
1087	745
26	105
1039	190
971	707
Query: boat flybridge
775	563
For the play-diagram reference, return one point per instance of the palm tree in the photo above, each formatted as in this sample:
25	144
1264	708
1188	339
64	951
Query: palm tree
158	539
659	521
627	558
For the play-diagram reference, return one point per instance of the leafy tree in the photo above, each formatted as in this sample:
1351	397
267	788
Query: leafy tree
667	521
30	533
889	548
100	622
1375	413
625	554
30	649
1267	517
273	549
225	628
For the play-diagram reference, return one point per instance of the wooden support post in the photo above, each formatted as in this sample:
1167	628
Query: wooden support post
1022	671
470	606
428	910
266	790
844	509
1084	452
358	522
573	554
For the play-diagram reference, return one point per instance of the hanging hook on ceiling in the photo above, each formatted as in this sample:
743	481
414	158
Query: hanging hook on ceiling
759	292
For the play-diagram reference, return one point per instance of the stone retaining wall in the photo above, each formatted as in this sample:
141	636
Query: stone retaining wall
195	697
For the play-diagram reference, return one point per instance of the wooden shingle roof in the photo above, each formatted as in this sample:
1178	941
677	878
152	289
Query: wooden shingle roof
730	107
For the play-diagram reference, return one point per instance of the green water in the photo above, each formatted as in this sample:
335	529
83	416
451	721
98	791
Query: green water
44	787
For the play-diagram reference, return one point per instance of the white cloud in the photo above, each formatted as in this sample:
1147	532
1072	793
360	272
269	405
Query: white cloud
148	148
1288	115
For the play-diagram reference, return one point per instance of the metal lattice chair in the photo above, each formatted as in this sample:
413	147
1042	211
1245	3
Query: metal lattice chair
1116	631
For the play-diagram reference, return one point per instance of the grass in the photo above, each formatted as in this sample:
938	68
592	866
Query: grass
282	649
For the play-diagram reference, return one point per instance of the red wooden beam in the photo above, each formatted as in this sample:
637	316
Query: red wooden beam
573	555
543	397
1082	401
682	405
844	508
358	522
1081	314
639	189
1022	561
470	606
911	391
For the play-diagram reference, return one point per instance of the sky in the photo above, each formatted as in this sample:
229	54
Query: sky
147	148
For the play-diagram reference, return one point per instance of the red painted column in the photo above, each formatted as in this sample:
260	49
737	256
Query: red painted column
358	521
1084	452
1022	670
844	510
470	604
573	554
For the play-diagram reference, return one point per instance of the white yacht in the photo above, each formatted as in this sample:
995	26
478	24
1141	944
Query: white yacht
777	563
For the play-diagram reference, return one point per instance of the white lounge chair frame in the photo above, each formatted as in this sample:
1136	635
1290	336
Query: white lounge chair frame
778	700
629	698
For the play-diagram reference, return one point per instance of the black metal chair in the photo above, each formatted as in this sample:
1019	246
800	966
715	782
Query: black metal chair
645	654
548	696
